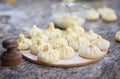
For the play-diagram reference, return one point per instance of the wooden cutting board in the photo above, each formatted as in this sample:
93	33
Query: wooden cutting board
76	61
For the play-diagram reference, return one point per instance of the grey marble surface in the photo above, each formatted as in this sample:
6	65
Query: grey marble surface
20	17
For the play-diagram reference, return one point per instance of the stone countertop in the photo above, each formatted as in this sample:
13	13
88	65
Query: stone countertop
19	18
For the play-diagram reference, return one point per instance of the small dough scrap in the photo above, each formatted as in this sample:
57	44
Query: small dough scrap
37	47
66	52
90	51
58	41
117	36
33	31
90	35
51	32
38	37
23	43
92	14
101	43
79	41
107	14
79	30
69	35
49	55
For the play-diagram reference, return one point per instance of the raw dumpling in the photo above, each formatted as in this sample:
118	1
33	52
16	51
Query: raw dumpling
92	15
69	35
107	14
78	30
117	36
33	31
37	47
49	55
38	37
90	51
23	43
58	41
66	52
51	32
91	36
79	41
101	43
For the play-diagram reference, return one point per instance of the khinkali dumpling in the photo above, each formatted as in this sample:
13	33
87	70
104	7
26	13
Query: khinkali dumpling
117	36
101	43
69	35
90	51
23	43
37	47
91	36
51	32
38	37
58	41
33	31
107	14
92	15
49	55
78	30
66	52
79	41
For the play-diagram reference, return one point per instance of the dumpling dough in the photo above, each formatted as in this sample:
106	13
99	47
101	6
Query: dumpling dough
78	30
37	47
33	31
117	36
79	41
69	35
107	14
90	51
51	32
23	43
49	55
91	36
92	15
101	43
38	37
66	52
58	41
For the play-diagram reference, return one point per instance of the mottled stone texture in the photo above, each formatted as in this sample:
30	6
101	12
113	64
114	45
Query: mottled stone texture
18	18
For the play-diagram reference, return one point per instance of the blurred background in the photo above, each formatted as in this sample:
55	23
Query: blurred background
19	15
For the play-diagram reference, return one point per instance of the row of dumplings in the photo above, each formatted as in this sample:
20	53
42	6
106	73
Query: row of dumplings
53	44
107	14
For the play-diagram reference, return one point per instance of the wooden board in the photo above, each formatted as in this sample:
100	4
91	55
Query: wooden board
76	61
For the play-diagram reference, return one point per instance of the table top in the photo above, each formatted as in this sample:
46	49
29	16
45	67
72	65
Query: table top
19	18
